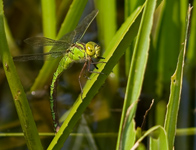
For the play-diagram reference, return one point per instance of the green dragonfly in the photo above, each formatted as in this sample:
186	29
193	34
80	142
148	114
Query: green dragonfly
72	50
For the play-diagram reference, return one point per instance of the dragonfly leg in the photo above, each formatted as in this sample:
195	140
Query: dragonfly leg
81	72
86	76
94	63
85	73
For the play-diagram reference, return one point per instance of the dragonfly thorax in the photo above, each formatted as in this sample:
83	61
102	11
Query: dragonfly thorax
92	49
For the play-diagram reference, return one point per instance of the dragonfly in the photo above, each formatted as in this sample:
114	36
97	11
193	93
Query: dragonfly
72	50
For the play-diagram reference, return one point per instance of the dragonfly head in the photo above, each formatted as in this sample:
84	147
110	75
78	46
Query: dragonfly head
93	49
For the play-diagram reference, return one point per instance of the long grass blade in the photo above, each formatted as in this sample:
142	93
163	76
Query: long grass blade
19	96
175	92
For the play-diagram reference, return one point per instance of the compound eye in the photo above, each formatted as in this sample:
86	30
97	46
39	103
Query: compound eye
90	49
97	51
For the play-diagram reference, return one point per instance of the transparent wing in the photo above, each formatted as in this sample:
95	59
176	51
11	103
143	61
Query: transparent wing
39	56
59	46
78	33
43	41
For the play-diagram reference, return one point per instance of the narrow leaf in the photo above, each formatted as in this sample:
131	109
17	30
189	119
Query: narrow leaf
19	96
137	70
175	92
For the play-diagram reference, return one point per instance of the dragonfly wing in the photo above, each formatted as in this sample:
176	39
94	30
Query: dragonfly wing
39	56
40	41
83	25
80	30
61	45
44	41
58	45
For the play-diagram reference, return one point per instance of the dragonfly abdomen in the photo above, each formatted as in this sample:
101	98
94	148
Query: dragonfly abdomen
75	54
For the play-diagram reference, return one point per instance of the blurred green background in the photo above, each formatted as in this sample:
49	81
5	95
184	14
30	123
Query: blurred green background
102	117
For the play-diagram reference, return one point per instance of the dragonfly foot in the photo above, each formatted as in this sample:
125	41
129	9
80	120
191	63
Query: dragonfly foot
87	78
96	72
81	95
57	129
